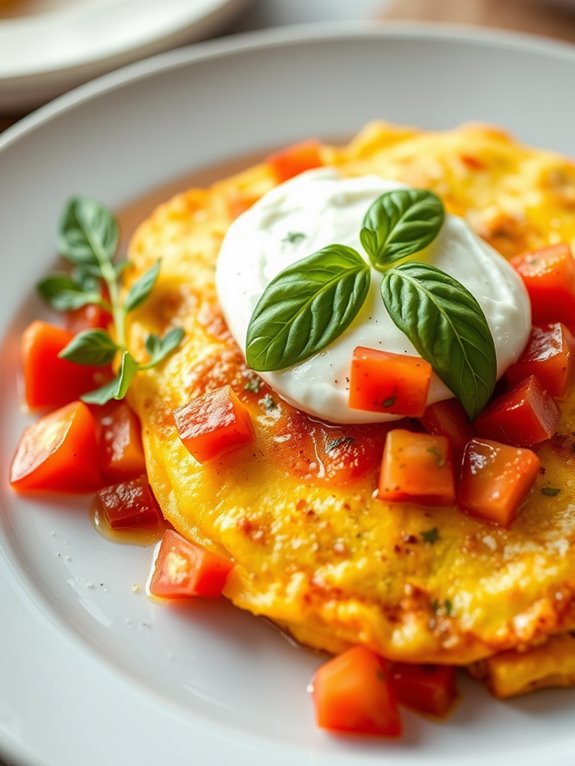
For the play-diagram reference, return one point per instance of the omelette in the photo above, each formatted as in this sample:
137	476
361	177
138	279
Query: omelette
314	550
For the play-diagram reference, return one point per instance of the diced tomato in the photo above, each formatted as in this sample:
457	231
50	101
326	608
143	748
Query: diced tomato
121	450
213	424
353	693
48	380
329	454
416	468
495	478
58	453
428	689
184	569
88	317
129	505
549	276
293	160
448	418
550	356
384	382
524	416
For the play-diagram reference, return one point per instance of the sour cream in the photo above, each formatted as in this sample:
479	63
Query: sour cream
322	207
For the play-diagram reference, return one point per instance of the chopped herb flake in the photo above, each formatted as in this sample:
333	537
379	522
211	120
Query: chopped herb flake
332	444
269	404
294	236
430	535
254	384
550	491
445	607
439	456
389	402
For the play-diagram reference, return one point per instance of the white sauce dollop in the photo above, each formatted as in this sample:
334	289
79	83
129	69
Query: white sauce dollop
329	208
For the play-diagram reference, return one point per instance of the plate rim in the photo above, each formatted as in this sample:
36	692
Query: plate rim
260	39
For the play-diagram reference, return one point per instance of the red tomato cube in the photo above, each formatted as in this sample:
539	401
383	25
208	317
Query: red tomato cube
121	450
384	382
213	424
353	693
416	468
58	453
295	159
129	505
524	416
429	689
48	380
183	569
549	276
495	479
550	356
448	418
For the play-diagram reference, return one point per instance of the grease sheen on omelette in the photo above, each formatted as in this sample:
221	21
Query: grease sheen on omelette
323	558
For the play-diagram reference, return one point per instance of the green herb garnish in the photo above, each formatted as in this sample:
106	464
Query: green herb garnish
550	491
333	444
269	403
430	536
253	385
88	238
312	302
293	237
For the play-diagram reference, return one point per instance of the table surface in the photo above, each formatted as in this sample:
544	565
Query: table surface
535	16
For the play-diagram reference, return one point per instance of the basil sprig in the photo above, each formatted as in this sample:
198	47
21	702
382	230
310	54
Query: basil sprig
306	307
312	302
88	238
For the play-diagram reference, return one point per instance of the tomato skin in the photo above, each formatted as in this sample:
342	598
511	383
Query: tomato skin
89	317
429	689
295	159
549	277
121	450
48	380
58	453
416	468
550	356
184	569
448	418
353	693
213	424
384	382
495	478
129	505
522	417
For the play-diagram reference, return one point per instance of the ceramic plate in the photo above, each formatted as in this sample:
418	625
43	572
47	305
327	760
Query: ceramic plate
49	46
91	671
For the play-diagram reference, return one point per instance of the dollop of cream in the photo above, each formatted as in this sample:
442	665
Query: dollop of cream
322	207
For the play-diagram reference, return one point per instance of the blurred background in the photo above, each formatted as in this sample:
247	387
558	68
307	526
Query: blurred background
49	46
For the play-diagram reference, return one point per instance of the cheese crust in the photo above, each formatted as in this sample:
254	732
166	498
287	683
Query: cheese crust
314	550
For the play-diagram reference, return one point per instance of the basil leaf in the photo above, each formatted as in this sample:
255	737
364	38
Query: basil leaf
142	288
117	388
88	232
90	347
62	293
447	327
306	307
87	277
400	223
159	348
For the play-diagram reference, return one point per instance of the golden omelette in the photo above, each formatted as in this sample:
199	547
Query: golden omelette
314	550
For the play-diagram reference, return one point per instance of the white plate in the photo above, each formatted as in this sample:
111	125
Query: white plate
66	42
90	671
